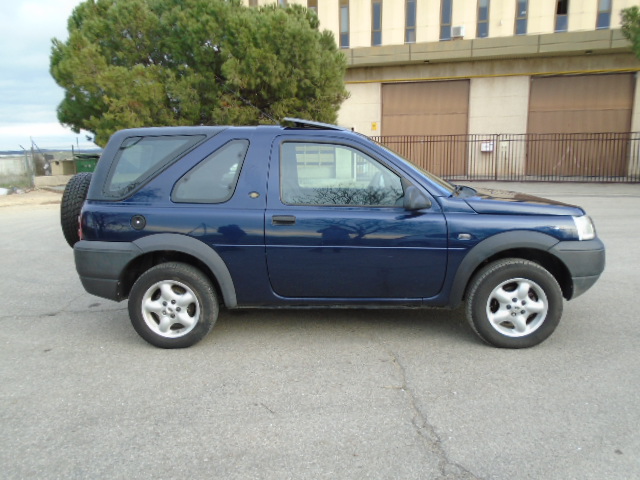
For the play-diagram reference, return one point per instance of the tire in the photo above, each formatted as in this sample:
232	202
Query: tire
173	305
75	193
514	303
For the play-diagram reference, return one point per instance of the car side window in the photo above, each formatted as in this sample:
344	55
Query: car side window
215	178
139	158
328	174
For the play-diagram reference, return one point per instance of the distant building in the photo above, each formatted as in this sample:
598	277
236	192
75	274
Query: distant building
424	67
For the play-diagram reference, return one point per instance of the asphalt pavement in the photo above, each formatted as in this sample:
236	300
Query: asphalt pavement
340	394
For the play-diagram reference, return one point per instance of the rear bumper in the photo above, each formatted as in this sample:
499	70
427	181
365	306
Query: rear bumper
100	266
585	261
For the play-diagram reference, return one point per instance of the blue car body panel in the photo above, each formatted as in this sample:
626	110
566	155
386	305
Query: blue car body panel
263	252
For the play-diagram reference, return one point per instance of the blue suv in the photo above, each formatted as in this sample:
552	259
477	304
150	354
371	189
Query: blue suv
183	220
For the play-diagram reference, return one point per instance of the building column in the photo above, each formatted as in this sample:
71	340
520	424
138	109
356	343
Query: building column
498	108
362	111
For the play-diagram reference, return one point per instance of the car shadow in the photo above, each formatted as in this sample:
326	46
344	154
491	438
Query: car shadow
425	323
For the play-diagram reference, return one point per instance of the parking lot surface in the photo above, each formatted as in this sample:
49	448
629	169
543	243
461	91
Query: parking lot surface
273	394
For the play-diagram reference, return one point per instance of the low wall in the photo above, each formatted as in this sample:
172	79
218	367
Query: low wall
15	171
52	169
51	180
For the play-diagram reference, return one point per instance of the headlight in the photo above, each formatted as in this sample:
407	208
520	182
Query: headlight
584	226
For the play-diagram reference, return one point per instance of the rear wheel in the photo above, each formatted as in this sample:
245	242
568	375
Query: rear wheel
75	193
514	303
173	305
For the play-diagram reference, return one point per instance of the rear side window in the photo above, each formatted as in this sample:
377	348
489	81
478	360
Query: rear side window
215	178
139	158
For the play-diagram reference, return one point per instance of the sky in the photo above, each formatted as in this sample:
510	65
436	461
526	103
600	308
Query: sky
28	94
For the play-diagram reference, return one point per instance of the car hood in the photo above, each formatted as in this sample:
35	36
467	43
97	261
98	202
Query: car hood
509	203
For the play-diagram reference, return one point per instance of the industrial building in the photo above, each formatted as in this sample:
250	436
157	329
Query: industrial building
487	68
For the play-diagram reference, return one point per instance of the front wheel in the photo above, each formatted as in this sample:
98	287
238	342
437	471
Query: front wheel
173	305
514	303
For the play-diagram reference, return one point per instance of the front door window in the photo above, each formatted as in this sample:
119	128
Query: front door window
326	174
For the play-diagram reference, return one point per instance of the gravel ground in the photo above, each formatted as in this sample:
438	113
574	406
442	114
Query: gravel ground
31	197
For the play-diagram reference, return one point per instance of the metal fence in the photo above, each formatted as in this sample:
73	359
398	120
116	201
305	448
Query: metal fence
576	157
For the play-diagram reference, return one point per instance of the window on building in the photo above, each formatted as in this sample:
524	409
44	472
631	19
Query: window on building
313	5
483	19
522	8
376	22
410	21
344	23
604	14
445	19
562	15
282	3
253	3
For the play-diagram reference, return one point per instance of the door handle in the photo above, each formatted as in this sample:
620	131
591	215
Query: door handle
283	220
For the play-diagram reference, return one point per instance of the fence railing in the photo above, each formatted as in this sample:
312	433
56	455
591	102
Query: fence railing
575	157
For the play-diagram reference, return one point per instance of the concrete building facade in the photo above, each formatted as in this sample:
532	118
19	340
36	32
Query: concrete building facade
501	89
425	67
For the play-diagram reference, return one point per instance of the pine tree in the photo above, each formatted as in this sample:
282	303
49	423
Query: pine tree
194	62
631	27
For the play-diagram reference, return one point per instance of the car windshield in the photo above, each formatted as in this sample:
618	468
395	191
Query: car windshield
448	187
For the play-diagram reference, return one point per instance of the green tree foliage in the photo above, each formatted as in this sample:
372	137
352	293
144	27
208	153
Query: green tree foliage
194	62
631	27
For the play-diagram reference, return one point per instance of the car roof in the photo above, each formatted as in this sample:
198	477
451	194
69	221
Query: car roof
208	130
301	123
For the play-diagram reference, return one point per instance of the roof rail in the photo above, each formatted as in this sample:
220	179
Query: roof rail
300	123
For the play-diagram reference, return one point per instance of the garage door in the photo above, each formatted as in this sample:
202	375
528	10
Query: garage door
437	109
574	108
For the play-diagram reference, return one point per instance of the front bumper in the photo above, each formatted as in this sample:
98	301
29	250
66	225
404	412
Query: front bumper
585	261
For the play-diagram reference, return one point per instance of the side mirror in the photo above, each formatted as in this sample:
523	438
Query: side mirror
414	199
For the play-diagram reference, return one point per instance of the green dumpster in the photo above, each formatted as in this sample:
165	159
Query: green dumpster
85	162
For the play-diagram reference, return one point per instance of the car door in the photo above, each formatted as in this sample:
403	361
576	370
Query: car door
335	226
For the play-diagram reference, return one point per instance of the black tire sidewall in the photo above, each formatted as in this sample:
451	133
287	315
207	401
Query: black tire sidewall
196	281
494	274
73	198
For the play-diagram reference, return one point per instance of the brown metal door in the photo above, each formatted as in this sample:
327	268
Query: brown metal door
428	109
578	111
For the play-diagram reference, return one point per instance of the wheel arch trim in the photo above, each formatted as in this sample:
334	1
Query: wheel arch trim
501	242
197	249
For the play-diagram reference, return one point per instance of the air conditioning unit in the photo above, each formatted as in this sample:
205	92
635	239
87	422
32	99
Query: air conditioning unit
457	31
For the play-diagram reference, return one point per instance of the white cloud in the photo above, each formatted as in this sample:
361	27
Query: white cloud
49	136
28	92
